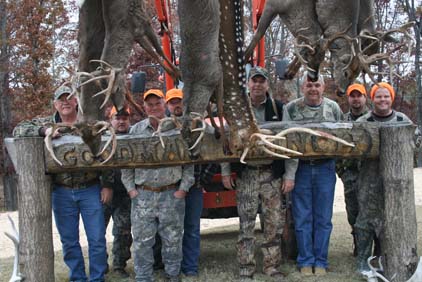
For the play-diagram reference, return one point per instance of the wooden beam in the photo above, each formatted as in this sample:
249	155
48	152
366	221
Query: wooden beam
399	239
34	197
133	151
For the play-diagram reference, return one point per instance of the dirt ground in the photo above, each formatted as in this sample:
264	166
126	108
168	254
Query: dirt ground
218	254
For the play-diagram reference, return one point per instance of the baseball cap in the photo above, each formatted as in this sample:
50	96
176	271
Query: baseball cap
356	87
174	93
60	91
258	71
156	92
125	111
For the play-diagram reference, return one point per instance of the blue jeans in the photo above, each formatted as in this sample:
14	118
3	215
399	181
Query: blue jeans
312	206
191	237
68	204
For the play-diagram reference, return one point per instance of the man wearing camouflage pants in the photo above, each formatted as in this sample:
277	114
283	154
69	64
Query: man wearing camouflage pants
348	170
158	201
261	181
369	220
119	208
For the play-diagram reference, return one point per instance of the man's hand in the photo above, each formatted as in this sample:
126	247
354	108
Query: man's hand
180	194
287	185
106	195
228	182
133	193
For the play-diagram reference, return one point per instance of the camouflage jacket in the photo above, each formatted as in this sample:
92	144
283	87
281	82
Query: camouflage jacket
156	177
392	118
351	165
33	127
351	117
297	110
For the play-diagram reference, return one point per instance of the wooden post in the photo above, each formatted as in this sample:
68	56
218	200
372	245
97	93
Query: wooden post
34	199
396	169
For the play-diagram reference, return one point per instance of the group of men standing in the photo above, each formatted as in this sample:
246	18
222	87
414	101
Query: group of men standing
166	202
142	202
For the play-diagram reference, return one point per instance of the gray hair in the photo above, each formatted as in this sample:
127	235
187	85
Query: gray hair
305	78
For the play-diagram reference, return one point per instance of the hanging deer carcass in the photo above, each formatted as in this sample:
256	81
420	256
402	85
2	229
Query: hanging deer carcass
352	19
301	20
107	31
212	39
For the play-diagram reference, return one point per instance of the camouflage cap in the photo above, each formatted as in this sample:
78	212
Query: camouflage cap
60	91
258	71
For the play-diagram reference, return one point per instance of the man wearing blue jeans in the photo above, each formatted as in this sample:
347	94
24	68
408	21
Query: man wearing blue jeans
191	236
74	194
313	193
193	201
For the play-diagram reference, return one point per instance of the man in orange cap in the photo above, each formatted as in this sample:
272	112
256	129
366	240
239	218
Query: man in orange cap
158	204
174	101
193	200
348	169
356	98
369	220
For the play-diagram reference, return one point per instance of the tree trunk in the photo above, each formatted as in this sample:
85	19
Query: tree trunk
35	226
396	171
9	177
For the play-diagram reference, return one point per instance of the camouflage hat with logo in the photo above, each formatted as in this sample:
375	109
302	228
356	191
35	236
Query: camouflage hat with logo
60	91
258	71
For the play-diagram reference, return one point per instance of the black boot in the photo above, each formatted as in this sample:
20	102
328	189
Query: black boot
364	241
355	248
377	246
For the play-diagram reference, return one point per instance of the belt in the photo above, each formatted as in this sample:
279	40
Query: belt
315	161
80	185
260	167
157	189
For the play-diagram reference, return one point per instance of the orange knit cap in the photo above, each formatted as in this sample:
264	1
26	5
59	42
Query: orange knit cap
356	87
383	85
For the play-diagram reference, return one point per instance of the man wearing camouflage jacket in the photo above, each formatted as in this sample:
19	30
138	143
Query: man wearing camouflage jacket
158	201
260	182
348	170
369	222
313	194
75	194
119	207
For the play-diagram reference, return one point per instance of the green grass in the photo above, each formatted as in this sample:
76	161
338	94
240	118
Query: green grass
218	261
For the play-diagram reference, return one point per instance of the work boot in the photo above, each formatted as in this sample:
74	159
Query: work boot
121	272
173	278
306	271
364	241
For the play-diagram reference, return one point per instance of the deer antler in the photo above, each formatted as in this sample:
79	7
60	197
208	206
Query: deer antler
264	143
110	75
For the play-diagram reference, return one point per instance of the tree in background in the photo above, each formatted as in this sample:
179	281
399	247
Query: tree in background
32	27
27	52
414	13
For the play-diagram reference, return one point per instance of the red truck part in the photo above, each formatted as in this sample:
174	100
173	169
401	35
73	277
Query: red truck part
259	56
164	18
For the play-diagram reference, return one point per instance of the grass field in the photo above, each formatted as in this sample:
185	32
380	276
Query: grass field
218	261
